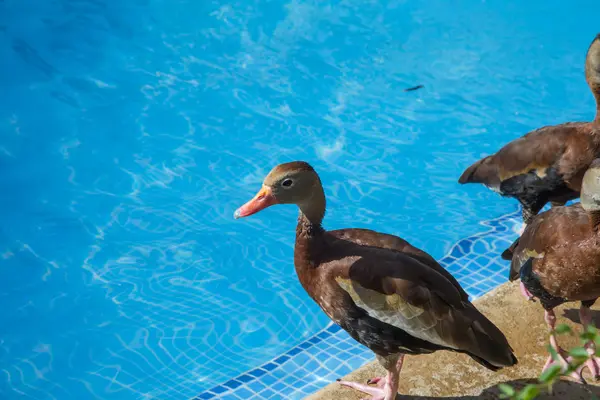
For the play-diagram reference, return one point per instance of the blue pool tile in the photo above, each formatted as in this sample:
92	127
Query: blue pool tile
256	386
290	368
323	335
302	358
219	389
279	387
356	361
312	365
294	351
465	245
480	247
344	345
457	252
244	393
233	384
269	367
314	340
269	380
331	364
267	394
257	373
323	355
312	388
245	378
281	359
304	345
230	396
205	396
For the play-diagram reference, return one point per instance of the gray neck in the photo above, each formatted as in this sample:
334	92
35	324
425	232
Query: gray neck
312	210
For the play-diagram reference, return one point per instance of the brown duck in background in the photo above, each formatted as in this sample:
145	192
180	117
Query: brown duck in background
558	259
388	295
546	164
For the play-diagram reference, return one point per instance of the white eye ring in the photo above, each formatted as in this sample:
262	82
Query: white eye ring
287	183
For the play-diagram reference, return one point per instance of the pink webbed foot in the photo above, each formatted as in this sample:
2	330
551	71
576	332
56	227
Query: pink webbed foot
387	387
377	393
593	364
562	361
550	318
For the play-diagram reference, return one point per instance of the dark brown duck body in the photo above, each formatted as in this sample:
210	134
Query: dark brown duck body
558	259
391	301
545	165
366	237
388	295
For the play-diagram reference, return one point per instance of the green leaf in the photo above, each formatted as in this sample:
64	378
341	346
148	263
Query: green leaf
597	340
550	374
529	392
587	337
579	352
507	390
591	329
553	353
562	329
589	334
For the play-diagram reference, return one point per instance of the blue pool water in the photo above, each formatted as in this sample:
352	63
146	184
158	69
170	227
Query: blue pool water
131	130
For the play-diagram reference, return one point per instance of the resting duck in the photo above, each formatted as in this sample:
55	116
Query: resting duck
558	259
546	164
388	295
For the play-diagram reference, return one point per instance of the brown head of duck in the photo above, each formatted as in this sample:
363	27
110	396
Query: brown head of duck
290	183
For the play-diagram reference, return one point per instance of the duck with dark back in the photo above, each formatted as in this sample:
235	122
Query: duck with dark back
545	165
558	260
388	295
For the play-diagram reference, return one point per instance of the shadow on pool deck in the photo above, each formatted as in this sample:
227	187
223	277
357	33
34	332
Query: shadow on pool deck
447	375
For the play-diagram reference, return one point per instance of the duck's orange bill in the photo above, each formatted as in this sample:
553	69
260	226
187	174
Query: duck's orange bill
263	199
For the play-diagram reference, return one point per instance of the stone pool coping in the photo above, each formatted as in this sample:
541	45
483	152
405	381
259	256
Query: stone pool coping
331	353
455	376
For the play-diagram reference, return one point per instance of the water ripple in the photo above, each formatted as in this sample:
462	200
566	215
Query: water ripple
134	130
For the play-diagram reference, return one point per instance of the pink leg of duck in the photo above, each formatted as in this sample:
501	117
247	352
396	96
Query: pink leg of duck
387	387
525	292
593	363
550	318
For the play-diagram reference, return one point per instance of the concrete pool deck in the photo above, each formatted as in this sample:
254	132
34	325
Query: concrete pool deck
455	376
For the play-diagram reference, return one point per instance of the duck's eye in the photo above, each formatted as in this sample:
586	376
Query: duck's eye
287	183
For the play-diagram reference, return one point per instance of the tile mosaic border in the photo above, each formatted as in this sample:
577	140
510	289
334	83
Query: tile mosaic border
331	353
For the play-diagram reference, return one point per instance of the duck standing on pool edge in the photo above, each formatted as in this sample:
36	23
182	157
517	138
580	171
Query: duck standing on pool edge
558	261
388	295
546	164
